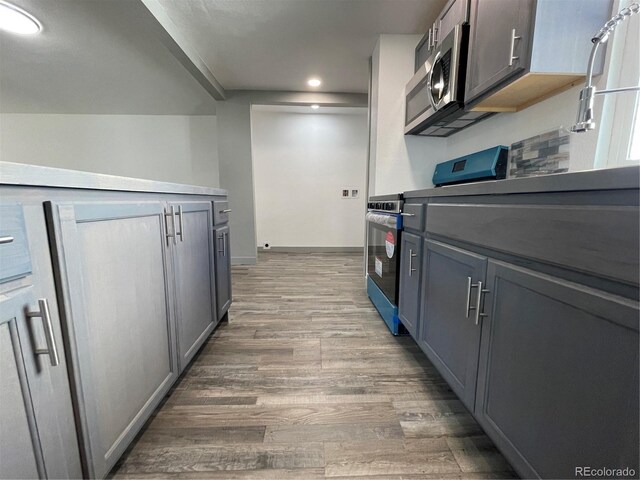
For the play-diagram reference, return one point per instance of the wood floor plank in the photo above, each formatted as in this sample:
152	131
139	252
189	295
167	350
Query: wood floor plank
305	382
389	457
179	437
352	432
192	416
177	459
271	474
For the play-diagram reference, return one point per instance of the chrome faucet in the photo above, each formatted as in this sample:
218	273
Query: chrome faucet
585	119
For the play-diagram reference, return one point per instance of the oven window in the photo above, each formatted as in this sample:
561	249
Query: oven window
383	259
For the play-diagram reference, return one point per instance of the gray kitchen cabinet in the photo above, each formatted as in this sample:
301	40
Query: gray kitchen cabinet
558	378
522	51
20	448
111	266
499	43
223	269
34	378
450	321
410	273
192	251
37	431
455	12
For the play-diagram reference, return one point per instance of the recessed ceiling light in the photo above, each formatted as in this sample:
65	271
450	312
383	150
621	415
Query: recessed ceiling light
314	82
15	20
315	107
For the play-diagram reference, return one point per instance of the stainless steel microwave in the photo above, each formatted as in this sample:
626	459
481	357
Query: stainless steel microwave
434	103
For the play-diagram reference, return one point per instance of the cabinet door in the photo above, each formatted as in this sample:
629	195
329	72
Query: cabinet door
410	271
20	449
48	383
454	13
450	322
223	270
495	52
558	380
193	258
111	264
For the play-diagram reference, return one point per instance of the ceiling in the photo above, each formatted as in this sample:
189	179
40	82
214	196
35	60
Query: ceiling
95	56
279	44
112	56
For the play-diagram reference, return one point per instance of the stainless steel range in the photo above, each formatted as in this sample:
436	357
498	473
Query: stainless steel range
384	230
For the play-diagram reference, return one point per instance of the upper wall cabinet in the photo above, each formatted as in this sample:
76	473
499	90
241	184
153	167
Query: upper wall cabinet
455	12
523	51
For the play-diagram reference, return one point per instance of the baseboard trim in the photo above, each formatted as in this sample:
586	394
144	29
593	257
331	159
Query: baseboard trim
243	260
313	249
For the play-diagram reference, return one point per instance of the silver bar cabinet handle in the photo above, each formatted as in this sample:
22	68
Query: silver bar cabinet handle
7	239
408	214
436	31
170	214
226	210
411	257
514	37
479	314
220	237
52	349
470	285
181	222
224	244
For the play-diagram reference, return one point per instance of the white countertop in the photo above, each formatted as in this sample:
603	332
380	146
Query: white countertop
37	176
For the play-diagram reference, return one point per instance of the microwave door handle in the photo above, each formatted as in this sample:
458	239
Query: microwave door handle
429	91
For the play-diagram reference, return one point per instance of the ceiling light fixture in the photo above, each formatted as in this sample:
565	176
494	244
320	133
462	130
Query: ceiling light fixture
314	82
315	107
15	20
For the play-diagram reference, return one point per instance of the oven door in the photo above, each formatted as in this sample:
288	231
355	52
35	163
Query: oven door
383	252
437	84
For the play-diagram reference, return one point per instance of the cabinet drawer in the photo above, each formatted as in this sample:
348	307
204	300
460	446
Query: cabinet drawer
220	212
15	260
599	240
413	216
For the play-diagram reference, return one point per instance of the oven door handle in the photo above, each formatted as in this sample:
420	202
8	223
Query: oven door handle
390	221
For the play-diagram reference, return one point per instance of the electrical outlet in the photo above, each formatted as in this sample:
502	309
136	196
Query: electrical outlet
355	192
345	193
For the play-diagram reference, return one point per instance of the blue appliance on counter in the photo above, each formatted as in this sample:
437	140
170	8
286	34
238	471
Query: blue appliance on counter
489	164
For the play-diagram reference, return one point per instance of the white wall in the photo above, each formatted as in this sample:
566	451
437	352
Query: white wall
172	148
301	163
234	149
397	162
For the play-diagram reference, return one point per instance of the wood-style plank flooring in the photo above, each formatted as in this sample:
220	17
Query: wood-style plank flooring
306	382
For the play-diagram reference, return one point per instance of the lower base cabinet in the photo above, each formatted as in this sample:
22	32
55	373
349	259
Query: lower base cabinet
556	387
37	427
192	250
450	322
111	262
